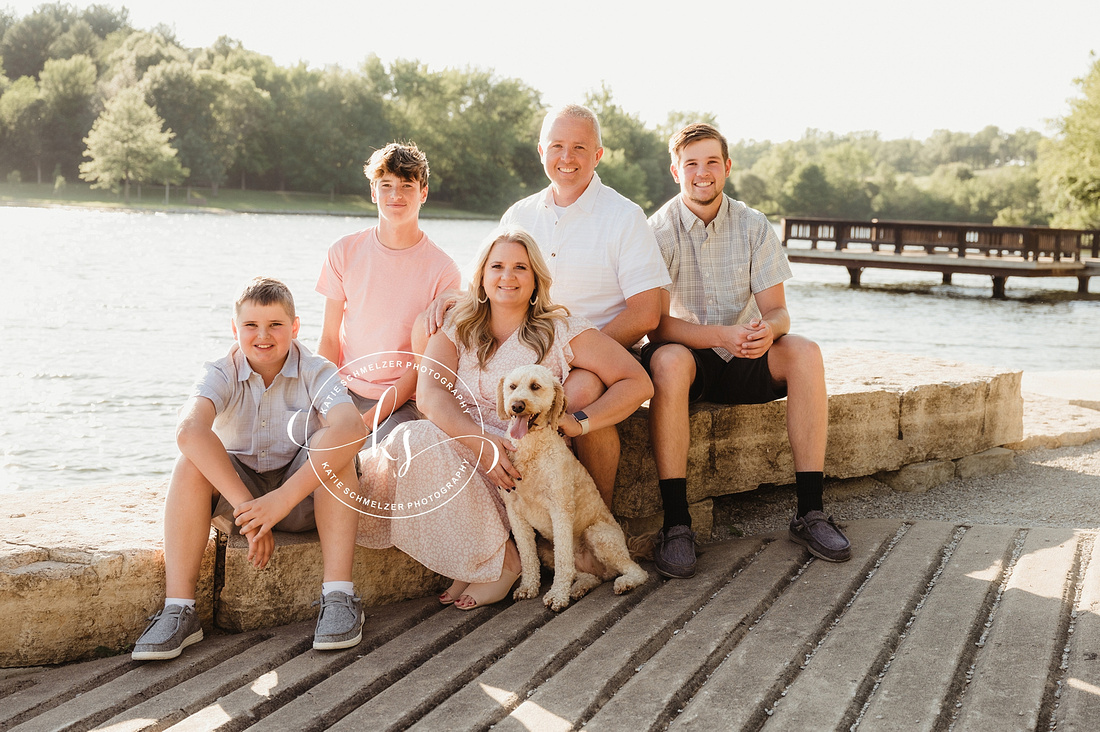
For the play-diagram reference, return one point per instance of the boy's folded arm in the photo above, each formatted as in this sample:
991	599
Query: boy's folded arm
331	452
197	442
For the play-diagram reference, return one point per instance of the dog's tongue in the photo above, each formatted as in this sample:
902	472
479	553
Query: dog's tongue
517	428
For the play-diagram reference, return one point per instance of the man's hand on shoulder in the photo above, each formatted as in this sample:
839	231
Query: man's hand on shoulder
435	313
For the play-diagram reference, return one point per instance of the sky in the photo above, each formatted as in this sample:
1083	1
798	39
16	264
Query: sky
766	70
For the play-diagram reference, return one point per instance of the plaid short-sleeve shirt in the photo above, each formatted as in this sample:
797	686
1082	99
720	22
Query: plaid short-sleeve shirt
715	269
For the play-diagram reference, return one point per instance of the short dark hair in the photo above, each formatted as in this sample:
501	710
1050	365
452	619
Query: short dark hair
266	291
405	160
694	133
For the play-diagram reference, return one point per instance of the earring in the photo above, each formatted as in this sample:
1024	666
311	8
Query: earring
482	290
534	297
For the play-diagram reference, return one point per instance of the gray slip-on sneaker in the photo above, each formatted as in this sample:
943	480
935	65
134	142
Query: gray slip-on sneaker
674	552
821	536
340	623
172	629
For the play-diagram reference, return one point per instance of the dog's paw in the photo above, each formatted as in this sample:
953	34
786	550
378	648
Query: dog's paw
626	582
556	599
583	585
526	591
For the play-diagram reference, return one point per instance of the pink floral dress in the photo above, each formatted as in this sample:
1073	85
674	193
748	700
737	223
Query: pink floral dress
422	491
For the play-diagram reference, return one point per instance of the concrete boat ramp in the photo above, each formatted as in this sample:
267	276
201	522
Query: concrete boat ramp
930	626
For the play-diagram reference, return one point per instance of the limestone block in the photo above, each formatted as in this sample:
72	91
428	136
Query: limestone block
636	492
702	521
942	421
283	591
989	462
84	584
947	409
863	432
885	410
1053	422
1004	409
750	448
919	477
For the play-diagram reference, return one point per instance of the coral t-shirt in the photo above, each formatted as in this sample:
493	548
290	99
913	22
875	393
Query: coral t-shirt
383	291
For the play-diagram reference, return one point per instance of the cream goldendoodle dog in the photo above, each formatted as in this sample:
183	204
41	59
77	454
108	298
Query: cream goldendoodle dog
556	496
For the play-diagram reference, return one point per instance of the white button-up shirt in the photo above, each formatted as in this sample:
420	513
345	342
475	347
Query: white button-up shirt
600	249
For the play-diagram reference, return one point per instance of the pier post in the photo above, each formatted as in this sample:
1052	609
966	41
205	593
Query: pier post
999	286
947	278
854	274
1082	285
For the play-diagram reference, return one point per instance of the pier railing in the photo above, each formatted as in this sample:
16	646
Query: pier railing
1029	242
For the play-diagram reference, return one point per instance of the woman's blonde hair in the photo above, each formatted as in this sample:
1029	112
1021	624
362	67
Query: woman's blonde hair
472	314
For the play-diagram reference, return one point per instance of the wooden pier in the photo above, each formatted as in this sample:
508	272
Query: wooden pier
999	252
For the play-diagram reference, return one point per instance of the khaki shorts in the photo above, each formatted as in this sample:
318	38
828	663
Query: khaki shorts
300	517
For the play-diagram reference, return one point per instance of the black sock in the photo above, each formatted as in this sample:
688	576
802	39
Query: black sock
675	499
809	486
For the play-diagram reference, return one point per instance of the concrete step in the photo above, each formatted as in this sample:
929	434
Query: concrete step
929	626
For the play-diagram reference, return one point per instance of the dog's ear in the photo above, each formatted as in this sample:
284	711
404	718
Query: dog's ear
558	408
500	401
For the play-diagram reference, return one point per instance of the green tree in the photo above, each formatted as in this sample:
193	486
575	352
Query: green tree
493	127
848	169
21	110
127	143
212	112
79	39
137	53
105	20
26	44
679	120
479	131
67	88
642	148
617	170
752	190
7	20
1069	163
808	192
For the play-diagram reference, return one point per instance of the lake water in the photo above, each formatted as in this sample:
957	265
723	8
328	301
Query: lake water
107	316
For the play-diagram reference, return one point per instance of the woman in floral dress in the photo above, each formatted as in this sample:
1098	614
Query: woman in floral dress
431	489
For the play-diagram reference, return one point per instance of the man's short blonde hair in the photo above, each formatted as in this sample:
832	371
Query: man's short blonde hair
575	111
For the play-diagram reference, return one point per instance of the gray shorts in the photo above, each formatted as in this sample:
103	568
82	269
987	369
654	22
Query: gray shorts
300	517
407	412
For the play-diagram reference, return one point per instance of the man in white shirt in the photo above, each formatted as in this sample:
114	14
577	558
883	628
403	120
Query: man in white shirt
603	259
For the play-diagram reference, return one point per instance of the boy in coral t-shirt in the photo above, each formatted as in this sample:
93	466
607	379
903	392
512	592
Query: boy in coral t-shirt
376	282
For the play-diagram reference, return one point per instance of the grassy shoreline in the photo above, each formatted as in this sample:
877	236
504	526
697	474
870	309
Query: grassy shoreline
228	200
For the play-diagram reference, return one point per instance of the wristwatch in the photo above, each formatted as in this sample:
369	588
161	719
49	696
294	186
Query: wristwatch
582	420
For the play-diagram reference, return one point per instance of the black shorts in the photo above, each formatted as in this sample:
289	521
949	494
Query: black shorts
738	381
